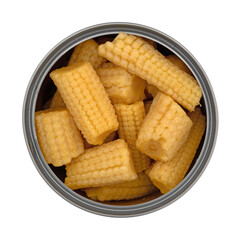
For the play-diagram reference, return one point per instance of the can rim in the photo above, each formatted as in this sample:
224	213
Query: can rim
31	139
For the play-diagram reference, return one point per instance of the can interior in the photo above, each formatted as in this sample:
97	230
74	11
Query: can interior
47	91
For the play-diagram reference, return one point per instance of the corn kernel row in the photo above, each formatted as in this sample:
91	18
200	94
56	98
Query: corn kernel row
87	101
130	118
138	57
137	188
107	164
167	175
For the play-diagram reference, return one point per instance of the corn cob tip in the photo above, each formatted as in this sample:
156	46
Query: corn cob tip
140	58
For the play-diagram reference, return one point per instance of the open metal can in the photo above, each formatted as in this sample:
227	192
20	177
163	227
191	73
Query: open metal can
41	88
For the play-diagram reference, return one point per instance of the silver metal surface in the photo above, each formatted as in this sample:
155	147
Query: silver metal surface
39	76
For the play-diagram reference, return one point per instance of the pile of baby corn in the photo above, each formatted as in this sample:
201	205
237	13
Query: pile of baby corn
125	120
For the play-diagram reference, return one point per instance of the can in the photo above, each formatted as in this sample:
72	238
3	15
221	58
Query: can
36	94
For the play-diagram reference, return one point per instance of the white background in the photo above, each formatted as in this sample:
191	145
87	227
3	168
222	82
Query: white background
211	32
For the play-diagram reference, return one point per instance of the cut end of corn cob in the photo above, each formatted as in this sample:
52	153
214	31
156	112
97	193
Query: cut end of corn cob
137	188
121	86
167	175
130	118
87	101
138	57
58	136
57	101
164	130
87	52
108	164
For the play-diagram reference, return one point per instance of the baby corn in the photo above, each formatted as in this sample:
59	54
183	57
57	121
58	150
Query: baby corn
87	101
58	136
179	63
99	166
167	175
130	118
139	187
87	52
57	101
121	86
138	57
164	129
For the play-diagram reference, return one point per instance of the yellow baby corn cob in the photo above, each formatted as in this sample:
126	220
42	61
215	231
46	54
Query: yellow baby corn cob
167	175
58	136
139	187
138	57
147	105
130	118
57	101
164	130
87	101
87	52
176	61
179	63
152	89
121	86
99	166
